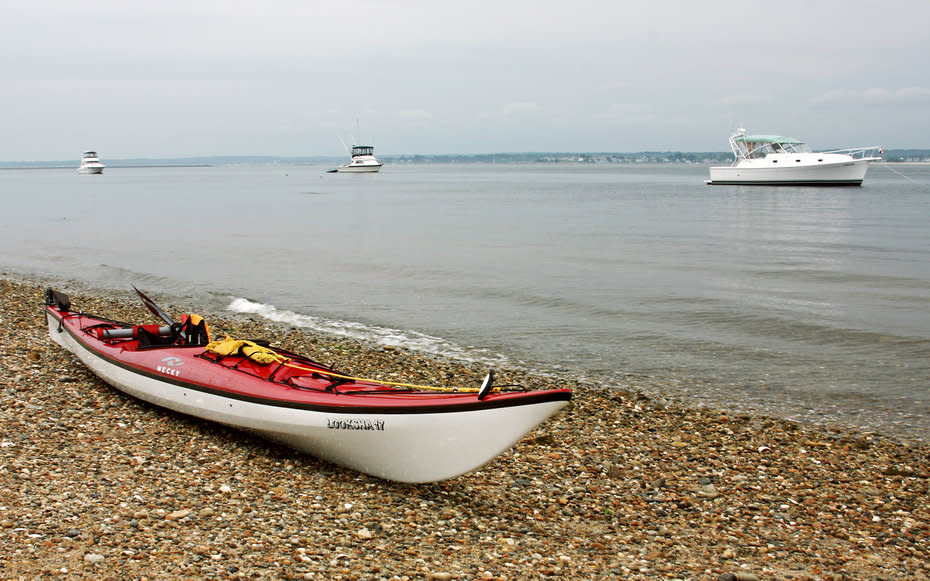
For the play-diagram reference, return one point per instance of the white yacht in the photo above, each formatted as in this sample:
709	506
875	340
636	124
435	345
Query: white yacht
775	160
90	163
363	161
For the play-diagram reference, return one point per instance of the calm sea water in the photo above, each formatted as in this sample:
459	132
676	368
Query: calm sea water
807	303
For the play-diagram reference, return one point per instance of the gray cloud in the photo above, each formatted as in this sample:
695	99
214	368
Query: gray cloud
287	77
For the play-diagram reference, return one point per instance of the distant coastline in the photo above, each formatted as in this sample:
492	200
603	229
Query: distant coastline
890	155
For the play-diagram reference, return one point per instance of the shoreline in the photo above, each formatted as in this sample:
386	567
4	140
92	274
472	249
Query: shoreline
669	388
618	485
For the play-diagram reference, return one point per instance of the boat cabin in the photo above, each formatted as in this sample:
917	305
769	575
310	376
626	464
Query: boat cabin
358	150
758	146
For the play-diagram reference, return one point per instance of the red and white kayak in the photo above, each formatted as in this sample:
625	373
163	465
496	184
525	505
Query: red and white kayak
391	431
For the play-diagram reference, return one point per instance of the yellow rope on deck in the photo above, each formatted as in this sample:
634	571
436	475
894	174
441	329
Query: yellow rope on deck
265	356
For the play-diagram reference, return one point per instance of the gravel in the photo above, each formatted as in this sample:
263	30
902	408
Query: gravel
97	485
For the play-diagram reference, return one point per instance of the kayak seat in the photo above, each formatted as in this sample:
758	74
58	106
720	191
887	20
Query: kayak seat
151	336
194	330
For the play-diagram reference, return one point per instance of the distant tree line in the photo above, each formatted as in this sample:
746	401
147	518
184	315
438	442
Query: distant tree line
695	157
703	158
567	157
906	155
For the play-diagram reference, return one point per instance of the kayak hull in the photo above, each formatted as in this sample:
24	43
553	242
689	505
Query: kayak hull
391	434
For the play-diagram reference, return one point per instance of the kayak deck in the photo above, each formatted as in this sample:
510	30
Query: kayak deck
289	377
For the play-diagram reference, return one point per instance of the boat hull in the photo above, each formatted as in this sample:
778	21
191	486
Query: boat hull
90	169
367	168
789	172
407	443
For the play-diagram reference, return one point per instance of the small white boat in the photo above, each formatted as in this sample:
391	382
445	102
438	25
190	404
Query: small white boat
90	163
363	161
774	160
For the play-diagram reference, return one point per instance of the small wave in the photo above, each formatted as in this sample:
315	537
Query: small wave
413	340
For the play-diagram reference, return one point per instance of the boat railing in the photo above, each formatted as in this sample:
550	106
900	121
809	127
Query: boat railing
867	152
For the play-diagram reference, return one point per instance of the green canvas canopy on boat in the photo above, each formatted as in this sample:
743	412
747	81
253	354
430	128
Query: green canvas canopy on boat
766	139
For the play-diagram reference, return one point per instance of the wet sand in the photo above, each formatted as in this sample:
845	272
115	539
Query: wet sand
97	485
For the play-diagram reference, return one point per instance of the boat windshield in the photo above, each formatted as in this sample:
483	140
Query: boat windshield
362	150
757	150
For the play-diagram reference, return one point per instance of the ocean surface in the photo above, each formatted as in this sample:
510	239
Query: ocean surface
810	304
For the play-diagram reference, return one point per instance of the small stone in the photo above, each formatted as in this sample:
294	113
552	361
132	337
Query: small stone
365	534
614	471
93	558
737	577
178	514
708	491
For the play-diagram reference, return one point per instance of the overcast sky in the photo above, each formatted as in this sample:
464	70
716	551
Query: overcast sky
292	78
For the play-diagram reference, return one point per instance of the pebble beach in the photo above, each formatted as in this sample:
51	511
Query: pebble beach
620	485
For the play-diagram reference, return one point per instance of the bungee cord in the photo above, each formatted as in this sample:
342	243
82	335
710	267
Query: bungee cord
266	356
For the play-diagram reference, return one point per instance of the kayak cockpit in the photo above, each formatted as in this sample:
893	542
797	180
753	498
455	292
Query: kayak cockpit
191	331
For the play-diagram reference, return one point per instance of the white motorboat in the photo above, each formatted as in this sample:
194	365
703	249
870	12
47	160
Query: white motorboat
363	161
90	163
774	160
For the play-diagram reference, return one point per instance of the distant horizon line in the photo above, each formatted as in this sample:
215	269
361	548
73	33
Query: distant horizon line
543	156
385	156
